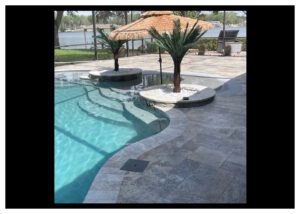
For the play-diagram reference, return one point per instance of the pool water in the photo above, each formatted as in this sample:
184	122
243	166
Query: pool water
92	122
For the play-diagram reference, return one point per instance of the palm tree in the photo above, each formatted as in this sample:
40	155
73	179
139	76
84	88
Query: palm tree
115	46
177	43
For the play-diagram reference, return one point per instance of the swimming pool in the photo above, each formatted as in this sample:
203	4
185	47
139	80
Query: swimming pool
92	122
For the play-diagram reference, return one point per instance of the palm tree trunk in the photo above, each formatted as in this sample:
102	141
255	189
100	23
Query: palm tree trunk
176	77
224	25
57	22
116	62
56	38
94	32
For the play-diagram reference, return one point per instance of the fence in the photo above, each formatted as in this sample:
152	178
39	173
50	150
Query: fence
138	47
132	47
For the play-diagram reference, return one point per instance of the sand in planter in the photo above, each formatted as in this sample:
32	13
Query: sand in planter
165	94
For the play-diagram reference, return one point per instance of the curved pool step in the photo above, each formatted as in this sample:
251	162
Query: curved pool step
159	124
100	103
128	92
129	106
65	86
143	104
121	91
106	97
101	113
141	114
106	92
95	98
68	94
81	82
145	116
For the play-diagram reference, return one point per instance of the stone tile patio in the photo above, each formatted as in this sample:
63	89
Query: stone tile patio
206	164
227	67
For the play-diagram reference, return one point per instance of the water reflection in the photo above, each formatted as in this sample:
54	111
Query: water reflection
146	80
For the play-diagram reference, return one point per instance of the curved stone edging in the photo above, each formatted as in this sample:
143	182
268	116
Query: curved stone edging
202	96
107	183
124	74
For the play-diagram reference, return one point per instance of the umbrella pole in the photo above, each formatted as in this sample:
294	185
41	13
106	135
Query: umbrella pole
160	61
94	32
224	42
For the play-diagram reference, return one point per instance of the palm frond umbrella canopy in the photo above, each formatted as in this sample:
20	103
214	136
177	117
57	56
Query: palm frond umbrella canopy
162	21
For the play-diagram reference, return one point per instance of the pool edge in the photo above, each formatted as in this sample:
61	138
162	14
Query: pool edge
110	177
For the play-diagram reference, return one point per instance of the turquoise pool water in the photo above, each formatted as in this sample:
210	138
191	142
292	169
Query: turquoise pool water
92	122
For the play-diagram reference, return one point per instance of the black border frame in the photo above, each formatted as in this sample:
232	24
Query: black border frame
29	108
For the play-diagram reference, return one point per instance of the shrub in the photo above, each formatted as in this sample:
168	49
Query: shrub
151	47
244	43
201	49
140	48
211	44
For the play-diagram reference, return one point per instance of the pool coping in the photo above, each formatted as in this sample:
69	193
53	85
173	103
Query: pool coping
124	74
106	185
203	94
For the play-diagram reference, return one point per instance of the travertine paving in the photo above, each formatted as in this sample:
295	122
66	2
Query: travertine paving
227	67
199	158
206	164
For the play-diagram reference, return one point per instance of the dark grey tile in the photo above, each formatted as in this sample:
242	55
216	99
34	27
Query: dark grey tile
135	165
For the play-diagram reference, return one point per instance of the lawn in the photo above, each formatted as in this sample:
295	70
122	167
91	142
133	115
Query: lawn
65	55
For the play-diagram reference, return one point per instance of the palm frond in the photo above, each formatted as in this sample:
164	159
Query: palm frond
177	42
114	45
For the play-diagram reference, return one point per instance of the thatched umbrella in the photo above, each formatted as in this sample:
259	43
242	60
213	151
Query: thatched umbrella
163	21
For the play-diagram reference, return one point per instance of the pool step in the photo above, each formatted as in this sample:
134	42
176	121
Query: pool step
68	94
99	112
96	98
106	92
153	122
147	117
59	83
129	106
141	114
128	92
107	98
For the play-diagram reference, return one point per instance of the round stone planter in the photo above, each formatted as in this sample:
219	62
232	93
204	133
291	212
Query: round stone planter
124	74
191	95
